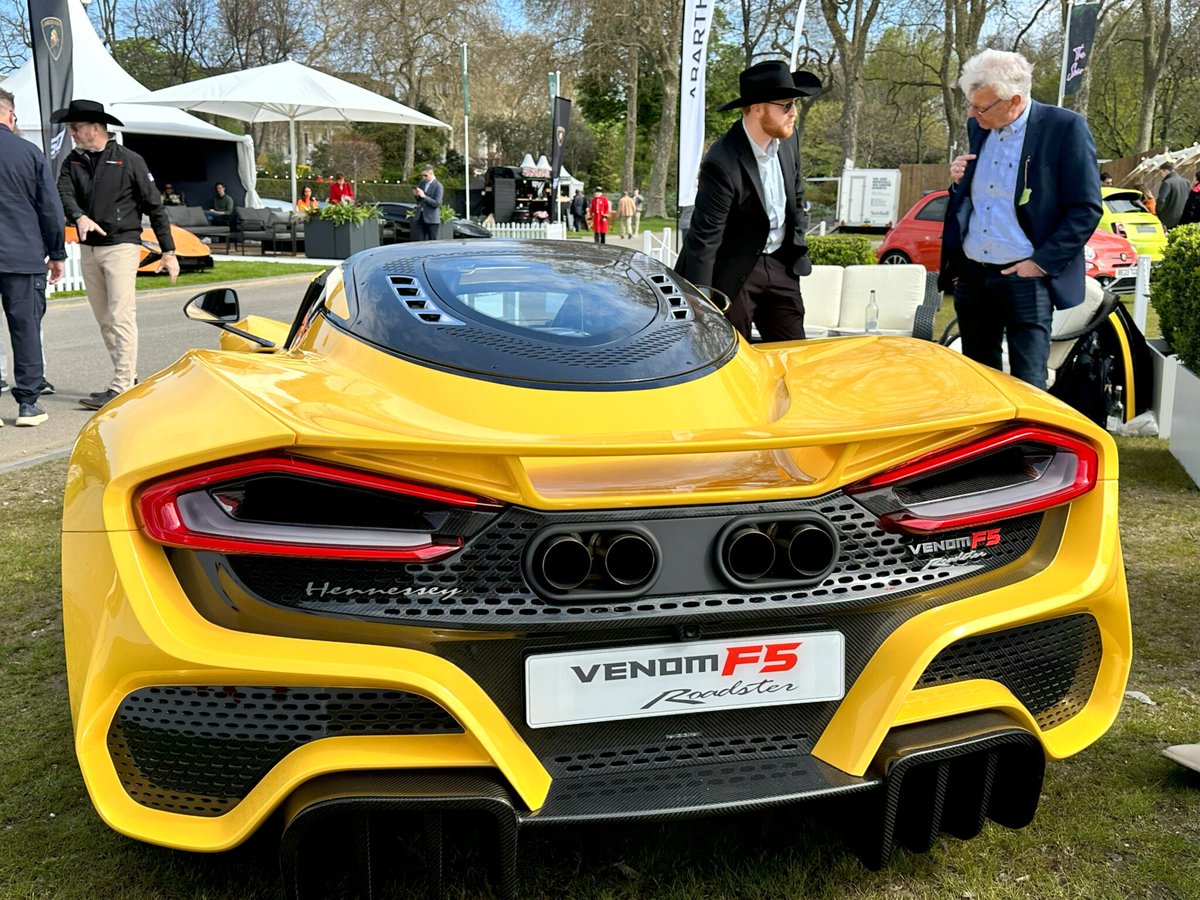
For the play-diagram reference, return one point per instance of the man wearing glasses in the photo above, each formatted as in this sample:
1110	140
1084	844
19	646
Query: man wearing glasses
1023	203
745	237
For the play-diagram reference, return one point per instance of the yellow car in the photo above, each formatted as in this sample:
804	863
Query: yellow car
528	533
1124	214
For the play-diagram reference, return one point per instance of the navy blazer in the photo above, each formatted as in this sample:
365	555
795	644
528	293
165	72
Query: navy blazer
31	217
429	206
729	225
1060	211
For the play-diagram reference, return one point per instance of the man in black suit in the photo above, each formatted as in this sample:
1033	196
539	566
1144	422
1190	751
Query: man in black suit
1023	202
429	207
745	237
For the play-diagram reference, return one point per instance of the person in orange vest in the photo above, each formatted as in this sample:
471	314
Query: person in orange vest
599	216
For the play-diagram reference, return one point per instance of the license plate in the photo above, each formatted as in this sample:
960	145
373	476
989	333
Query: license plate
697	676
1127	272
1150	229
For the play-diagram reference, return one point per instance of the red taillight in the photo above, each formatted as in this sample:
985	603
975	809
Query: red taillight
285	506
1119	228
1013	473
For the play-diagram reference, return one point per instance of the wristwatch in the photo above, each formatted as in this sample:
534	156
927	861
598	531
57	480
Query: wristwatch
168	253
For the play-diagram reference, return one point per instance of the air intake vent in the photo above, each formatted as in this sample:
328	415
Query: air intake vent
416	300
680	309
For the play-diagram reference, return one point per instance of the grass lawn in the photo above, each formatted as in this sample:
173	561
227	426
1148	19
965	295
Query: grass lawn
220	272
1116	821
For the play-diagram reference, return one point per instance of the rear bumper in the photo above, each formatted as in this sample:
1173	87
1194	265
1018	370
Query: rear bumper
947	777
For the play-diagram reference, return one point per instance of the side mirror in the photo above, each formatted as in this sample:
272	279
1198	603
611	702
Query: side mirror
215	306
719	299
220	307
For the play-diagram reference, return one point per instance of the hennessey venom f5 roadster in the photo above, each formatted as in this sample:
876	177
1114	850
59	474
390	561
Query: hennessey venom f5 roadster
527	532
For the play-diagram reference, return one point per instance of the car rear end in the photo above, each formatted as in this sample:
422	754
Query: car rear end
1127	217
865	570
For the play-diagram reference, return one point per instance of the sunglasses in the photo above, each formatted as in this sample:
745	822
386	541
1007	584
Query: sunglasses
980	110
787	106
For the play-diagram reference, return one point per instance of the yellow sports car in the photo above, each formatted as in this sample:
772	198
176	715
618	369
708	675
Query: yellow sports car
1125	215
527	533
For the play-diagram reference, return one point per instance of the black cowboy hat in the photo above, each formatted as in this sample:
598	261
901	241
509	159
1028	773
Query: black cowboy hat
84	111
806	82
762	82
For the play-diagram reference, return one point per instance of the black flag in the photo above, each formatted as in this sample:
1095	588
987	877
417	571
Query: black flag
50	27
562	118
1081	33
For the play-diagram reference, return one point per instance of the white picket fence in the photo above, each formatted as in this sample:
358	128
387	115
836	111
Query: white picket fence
73	278
661	248
539	231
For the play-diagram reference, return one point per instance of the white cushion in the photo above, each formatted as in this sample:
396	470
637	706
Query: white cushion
899	292
822	295
1068	320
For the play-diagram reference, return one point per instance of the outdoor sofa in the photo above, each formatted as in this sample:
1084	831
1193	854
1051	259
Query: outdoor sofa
274	227
192	219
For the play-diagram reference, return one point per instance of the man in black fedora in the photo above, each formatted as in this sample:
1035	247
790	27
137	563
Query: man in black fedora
746	237
105	190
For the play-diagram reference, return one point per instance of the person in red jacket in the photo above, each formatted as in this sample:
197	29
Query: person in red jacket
341	189
599	215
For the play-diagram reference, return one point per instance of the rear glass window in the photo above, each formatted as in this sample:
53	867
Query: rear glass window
547	296
934	210
1124	205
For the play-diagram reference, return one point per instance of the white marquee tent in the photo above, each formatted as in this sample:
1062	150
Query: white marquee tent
99	77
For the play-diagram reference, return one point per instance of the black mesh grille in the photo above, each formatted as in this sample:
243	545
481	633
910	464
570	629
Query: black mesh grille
678	753
1049	666
483	586
199	750
650	343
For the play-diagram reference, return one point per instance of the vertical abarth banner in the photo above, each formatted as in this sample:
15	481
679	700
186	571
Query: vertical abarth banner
50	28
697	18
562	120
1077	45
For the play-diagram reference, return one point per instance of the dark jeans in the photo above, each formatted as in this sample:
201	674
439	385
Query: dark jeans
600	237
990	306
215	218
770	298
580	222
24	300
424	231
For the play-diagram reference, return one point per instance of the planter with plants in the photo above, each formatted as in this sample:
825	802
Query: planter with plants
339	230
1176	297
446	229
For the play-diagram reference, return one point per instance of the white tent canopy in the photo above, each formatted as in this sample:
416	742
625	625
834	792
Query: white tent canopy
287	92
99	77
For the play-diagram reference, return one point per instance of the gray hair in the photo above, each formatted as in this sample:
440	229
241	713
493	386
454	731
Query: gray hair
1008	74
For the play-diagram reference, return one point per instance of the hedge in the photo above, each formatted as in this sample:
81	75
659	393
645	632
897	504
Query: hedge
1175	292
840	250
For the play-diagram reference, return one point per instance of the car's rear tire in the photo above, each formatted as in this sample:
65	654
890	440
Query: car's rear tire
894	258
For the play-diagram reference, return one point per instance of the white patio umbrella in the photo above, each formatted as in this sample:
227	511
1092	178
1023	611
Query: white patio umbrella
285	92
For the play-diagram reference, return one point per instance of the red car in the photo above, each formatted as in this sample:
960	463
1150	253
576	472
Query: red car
917	238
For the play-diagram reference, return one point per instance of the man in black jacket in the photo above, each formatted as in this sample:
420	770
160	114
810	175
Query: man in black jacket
31	229
746	237
105	190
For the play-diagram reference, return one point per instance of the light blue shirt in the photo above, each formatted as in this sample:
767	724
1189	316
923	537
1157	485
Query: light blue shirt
993	233
770	173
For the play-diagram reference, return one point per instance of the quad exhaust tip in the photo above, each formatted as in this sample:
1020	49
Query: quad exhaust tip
595	563
754	552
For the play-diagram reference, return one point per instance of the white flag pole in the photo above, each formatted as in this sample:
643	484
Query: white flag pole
466	136
799	31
